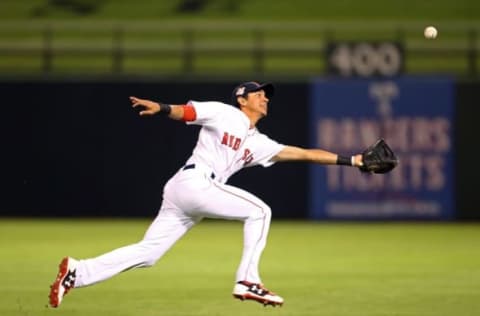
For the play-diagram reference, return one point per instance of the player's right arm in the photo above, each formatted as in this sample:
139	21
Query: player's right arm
176	112
194	112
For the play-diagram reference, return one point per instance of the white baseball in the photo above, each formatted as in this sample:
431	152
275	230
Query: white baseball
430	32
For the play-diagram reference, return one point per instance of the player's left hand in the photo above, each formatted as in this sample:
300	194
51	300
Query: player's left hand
147	107
378	158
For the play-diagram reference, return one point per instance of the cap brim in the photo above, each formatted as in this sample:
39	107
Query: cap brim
268	88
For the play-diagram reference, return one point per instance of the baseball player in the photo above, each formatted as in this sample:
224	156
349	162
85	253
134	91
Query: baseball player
227	142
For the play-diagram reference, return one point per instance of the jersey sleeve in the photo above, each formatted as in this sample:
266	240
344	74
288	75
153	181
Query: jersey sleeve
265	150
206	112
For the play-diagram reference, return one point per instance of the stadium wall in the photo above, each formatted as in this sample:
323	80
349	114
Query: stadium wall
79	149
76	148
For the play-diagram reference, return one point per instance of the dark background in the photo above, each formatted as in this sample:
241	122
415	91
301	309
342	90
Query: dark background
467	150
78	149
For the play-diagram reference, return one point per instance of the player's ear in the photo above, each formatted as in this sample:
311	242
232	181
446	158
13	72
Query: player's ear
241	101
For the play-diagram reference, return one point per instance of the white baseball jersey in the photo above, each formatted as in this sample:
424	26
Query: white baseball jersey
226	143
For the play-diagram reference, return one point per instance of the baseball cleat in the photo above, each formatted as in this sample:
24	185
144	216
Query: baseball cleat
245	290
64	282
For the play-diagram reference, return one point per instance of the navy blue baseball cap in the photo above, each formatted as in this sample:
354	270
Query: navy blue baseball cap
251	86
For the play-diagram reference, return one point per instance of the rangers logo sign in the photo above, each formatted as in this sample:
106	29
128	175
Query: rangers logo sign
415	117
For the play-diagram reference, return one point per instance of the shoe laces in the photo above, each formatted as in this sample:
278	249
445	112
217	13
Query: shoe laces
69	280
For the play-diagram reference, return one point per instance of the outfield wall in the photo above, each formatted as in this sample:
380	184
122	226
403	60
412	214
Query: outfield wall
76	148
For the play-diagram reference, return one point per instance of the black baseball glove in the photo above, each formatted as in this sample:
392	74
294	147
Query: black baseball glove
378	158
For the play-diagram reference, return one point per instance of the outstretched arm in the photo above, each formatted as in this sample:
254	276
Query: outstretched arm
292	153
176	112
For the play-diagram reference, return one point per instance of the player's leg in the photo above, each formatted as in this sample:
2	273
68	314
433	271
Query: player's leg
216	200
165	230
234	203
228	202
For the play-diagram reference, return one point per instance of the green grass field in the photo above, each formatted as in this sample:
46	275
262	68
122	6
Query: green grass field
319	268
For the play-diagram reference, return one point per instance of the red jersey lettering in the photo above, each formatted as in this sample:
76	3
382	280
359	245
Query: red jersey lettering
231	141
225	139
247	156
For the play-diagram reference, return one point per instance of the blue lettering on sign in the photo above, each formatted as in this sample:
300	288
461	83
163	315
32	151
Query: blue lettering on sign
415	116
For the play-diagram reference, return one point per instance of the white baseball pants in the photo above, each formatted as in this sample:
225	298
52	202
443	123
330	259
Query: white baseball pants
188	197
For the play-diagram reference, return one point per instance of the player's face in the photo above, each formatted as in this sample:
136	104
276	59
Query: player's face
258	102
